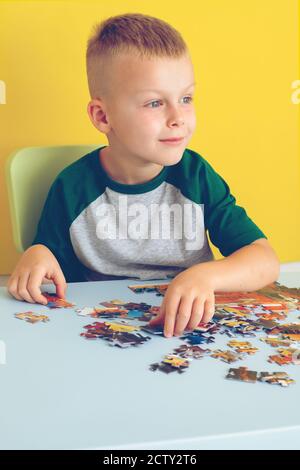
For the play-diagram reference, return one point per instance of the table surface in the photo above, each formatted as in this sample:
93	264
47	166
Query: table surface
61	391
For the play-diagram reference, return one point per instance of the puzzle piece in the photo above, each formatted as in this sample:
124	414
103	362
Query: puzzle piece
227	332
96	312
30	317
197	338
243	374
242	347
286	356
291	337
192	351
210	327
56	302
271	316
171	363
109	312
163	367
226	356
159	289
154	330
280	360
280	378
125	339
276	341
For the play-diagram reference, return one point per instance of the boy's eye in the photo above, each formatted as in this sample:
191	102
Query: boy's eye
159	101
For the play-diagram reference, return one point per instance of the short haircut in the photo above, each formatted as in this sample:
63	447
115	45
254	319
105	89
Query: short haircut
144	35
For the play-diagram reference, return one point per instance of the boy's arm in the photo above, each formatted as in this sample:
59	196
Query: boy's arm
36	263
228	224
250	268
190	299
250	263
51	255
53	232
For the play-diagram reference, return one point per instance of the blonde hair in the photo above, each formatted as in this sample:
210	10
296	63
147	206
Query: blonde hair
143	35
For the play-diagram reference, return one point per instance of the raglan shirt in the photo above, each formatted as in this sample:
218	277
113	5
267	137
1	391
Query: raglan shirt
100	229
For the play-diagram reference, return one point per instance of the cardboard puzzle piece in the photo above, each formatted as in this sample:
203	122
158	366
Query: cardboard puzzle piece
159	289
280	378
286	356
154	330
197	338
171	363
242	346
56	302
226	356
243	374
276	341
192	352
31	317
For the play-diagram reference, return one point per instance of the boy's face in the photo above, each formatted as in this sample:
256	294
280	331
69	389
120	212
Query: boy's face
137	120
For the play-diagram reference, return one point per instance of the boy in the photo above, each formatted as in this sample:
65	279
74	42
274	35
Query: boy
140	207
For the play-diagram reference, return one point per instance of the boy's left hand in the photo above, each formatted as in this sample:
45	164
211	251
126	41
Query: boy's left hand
188	301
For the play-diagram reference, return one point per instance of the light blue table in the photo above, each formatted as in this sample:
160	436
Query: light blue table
61	391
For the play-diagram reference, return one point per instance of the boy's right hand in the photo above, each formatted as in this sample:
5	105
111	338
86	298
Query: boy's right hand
36	263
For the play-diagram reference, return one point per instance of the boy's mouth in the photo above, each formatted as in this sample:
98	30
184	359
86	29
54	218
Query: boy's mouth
173	139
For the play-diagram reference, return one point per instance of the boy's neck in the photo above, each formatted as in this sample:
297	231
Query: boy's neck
127	171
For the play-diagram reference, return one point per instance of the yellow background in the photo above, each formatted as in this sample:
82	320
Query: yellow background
245	55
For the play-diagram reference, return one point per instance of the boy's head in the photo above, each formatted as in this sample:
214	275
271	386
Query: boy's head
126	55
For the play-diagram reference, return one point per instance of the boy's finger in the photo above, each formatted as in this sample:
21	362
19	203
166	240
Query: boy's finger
183	315
171	307
60	284
209	310
34	284
159	317
12	288
197	314
22	288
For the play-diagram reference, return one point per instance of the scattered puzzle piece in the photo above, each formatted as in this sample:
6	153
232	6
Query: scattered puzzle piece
31	317
56	302
171	363
243	374
226	356
242	346
192	351
280	378
280	360
276	341
159	289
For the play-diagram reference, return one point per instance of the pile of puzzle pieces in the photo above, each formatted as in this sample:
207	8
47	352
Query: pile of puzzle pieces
242	314
116	334
232	317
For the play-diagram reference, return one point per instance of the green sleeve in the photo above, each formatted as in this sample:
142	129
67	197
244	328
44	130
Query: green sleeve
53	232
228	224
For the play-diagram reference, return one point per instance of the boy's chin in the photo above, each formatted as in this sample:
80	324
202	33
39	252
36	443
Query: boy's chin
171	159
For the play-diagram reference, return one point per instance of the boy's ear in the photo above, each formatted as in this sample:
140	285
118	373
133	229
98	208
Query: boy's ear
98	116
